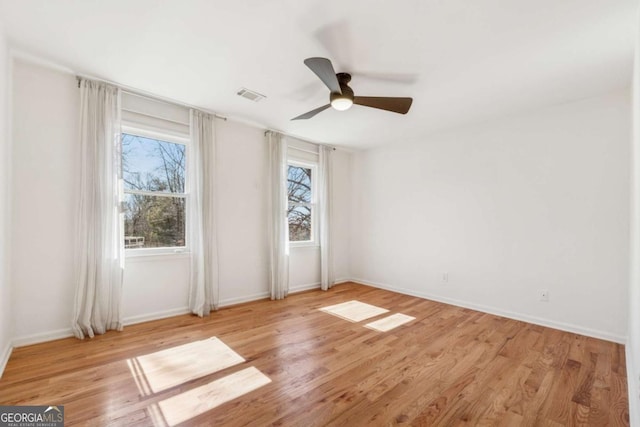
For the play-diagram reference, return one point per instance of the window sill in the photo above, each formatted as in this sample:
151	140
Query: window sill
155	256
295	246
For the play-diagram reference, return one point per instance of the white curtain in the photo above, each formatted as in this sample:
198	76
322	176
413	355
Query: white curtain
278	222
202	238
324	210
99	243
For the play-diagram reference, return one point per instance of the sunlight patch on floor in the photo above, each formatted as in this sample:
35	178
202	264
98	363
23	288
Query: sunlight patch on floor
168	368
184	406
390	322
354	311
162	370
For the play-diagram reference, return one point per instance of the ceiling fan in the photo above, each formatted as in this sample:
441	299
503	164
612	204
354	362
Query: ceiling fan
342	98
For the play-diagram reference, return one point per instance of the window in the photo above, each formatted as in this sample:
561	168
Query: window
301	208
153	171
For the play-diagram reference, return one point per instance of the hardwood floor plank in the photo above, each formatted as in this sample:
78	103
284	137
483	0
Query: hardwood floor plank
559	409
428	407
586	378
449	366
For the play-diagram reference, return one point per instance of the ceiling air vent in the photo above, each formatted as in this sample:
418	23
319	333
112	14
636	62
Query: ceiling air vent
250	94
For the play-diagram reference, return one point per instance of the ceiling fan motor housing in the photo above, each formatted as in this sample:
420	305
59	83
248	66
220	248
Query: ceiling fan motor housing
347	92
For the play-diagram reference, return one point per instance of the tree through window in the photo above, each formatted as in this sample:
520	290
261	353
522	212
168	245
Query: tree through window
300	208
154	192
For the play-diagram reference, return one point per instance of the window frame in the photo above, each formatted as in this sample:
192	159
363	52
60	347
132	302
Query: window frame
314	242
165	137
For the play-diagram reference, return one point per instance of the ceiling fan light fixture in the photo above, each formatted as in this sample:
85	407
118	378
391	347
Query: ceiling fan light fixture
341	103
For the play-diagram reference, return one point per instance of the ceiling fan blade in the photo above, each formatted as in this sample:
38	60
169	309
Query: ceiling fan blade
311	113
396	105
322	68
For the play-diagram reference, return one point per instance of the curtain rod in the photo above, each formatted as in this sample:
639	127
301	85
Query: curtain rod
150	96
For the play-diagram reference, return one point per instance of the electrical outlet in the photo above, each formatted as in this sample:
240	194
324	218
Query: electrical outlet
543	295
445	277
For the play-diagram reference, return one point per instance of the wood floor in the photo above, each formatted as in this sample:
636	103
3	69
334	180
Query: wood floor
450	366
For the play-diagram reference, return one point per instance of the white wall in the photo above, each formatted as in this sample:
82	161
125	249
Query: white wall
304	268
44	182
507	208
341	227
5	291
633	333
45	163
155	287
242	205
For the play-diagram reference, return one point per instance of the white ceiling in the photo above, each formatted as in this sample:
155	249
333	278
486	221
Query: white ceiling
462	61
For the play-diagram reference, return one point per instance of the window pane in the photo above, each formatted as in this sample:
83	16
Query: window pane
152	165
299	184
299	223
153	221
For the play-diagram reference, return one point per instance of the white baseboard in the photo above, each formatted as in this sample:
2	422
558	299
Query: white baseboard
132	320
302	288
633	384
239	300
66	333
317	285
4	358
155	316
42	337
499	312
263	295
